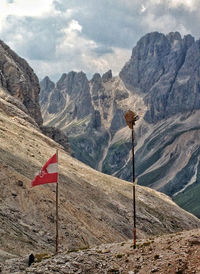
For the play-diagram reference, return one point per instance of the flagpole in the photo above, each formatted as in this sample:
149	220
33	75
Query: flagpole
134	207
131	118
57	207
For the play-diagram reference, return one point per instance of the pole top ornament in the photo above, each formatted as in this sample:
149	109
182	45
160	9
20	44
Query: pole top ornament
131	118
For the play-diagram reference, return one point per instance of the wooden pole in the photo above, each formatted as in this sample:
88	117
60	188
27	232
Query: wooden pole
57	208
133	176
131	118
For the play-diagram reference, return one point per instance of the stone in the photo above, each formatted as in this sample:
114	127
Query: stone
164	68
107	76
57	135
18	78
46	86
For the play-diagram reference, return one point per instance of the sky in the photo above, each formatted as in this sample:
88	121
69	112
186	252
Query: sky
58	36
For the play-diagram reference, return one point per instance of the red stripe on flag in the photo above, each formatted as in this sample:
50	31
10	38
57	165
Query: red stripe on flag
44	177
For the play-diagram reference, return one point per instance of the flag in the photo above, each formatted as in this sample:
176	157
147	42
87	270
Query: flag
48	174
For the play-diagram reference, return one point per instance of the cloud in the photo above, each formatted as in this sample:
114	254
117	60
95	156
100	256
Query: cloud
117	23
106	22
183	3
57	36
75	52
22	8
27	8
30	37
102	50
172	15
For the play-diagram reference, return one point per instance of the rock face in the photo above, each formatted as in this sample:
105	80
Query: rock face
73	85
20	81
84	110
167	68
46	85
107	76
57	135
161	83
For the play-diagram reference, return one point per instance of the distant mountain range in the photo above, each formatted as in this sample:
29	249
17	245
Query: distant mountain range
94	208
161	83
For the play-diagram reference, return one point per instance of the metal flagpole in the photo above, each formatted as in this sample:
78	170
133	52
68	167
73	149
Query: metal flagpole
131	118
133	177
57	207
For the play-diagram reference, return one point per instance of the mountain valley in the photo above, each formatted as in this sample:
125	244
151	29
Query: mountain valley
94	208
161	83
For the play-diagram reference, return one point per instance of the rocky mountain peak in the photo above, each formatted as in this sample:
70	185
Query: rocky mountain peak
146	65
172	36
46	85
107	76
61	81
18	78
96	78
160	66
72	86
189	40
73	82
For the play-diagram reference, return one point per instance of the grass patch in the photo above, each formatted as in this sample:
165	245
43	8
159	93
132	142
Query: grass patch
41	256
189	199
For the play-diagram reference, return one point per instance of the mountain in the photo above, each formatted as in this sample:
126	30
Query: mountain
84	111
18	78
161	83
94	208
166	68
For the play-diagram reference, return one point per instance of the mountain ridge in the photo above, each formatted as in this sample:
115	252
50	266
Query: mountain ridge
94	208
161	83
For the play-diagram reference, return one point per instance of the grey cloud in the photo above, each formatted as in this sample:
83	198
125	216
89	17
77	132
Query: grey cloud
109	23
181	14
40	36
101	50
116	23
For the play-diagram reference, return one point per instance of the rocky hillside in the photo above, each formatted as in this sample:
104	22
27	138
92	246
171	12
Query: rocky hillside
94	208
18	78
161	82
174	253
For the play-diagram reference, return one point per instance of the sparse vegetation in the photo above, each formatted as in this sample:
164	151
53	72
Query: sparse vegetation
41	256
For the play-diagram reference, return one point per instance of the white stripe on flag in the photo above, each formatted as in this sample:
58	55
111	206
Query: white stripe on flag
52	168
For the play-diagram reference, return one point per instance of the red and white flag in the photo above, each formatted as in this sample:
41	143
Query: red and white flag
48	174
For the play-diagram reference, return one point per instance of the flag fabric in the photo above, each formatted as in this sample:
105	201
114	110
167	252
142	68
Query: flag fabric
48	174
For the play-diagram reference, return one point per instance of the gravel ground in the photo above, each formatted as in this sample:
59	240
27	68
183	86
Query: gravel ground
172	253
